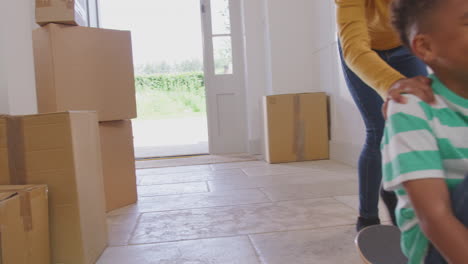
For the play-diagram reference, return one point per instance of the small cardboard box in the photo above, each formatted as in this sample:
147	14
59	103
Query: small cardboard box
296	127
24	225
72	12
118	161
63	151
80	68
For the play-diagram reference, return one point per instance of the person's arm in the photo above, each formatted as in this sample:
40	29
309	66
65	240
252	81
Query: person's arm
431	201
355	42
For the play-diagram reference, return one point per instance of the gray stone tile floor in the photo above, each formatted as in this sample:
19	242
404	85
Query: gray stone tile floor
246	212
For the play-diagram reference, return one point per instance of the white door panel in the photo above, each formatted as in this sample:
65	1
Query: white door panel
224	76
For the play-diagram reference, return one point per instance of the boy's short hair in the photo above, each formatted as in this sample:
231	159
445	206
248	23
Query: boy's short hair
407	13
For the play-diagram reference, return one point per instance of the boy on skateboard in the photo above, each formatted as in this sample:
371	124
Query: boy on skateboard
425	146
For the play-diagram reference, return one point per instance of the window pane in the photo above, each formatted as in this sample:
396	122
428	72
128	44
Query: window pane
220	17
222	49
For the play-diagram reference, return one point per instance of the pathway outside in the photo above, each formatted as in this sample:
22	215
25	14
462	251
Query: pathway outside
170	137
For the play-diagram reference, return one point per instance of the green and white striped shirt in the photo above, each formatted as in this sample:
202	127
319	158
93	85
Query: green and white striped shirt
423	141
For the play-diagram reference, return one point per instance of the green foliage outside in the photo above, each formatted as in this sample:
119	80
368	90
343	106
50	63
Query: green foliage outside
170	95
189	65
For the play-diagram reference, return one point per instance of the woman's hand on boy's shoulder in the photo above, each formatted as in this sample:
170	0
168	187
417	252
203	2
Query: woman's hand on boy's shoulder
419	86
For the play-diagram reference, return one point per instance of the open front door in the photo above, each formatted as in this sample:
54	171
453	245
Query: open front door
224	76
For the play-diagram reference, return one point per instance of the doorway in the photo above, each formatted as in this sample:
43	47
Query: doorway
169	77
201	32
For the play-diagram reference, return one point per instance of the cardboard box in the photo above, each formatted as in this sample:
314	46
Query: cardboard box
72	12
63	151
118	161
24	225
296	127
80	68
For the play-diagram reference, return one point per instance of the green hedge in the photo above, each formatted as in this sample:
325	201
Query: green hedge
187	82
170	95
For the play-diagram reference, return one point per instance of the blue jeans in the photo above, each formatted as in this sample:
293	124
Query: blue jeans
369	104
459	198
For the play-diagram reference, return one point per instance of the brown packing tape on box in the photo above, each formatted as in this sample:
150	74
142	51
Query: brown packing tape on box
26	212
299	130
25	227
16	150
25	206
4	157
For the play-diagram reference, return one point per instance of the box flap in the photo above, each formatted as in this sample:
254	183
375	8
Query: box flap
7	195
16	188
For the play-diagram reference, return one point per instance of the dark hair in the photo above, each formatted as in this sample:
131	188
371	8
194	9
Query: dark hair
407	13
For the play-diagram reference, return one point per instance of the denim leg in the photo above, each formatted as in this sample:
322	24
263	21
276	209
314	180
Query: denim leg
460	201
459	198
369	104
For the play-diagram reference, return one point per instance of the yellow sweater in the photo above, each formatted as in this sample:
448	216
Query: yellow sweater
365	25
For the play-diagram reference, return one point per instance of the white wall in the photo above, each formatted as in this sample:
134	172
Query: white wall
347	127
17	81
295	41
283	43
257	69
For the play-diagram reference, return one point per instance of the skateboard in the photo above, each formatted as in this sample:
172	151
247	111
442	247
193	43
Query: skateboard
380	244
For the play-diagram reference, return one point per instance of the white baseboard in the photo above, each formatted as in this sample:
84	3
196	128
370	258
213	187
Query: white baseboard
345	152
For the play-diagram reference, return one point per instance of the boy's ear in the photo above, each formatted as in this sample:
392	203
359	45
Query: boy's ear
421	46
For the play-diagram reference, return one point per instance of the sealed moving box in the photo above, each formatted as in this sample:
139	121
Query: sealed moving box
63	151
4	158
80	68
296	127
24	225
118	161
73	12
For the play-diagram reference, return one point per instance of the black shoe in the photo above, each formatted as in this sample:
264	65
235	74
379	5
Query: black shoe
363	222
390	200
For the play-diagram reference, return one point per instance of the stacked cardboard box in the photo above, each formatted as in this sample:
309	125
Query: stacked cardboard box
62	150
73	12
118	163
81	68
296	127
25	228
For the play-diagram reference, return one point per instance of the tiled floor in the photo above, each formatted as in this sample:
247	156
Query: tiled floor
245	212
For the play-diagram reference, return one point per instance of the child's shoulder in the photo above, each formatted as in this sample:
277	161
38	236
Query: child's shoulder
413	106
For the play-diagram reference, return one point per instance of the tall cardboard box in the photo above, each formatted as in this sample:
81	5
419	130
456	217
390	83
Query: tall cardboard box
72	12
80	68
118	161
4	157
63	151
296	127
24	225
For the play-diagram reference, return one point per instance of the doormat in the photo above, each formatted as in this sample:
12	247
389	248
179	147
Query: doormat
192	160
